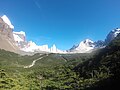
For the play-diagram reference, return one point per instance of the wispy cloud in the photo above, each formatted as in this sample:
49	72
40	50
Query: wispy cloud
37	4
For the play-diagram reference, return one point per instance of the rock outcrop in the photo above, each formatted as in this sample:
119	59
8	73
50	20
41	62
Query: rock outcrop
6	35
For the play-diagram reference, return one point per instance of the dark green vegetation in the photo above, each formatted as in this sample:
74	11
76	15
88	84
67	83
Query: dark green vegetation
13	75
103	68
98	71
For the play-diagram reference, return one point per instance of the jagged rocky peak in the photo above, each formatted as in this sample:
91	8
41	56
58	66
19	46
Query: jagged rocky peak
112	35
99	44
53	48
83	46
88	42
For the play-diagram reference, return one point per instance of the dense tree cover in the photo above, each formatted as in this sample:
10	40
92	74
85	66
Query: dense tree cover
52	72
104	67
100	71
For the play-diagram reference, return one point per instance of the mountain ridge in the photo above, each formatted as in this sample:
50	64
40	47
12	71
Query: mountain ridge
85	45
19	41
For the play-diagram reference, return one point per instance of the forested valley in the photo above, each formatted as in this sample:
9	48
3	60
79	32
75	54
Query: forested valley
99	70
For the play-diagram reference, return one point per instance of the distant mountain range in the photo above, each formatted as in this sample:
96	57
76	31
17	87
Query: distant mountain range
16	41
88	45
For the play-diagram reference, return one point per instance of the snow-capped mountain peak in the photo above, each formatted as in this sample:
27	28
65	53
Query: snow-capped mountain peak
87	42
112	35
84	46
7	21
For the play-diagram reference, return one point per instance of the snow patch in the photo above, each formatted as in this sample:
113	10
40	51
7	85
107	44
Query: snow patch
21	32
7	21
17	38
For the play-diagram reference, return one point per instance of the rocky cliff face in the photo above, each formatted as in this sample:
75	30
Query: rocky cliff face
5	30
6	36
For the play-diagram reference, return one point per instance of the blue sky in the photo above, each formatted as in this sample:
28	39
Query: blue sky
62	22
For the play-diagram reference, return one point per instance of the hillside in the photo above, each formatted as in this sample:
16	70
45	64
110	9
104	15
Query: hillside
99	70
104	67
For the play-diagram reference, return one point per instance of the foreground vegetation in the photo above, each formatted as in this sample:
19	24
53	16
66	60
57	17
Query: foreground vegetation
99	71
